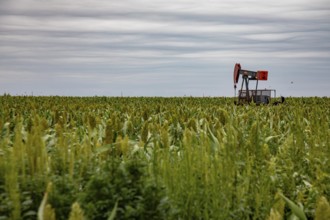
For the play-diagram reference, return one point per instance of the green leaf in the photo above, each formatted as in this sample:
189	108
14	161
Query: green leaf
296	210
113	212
104	148
270	138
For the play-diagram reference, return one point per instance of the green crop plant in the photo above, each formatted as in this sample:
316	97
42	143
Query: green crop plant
163	158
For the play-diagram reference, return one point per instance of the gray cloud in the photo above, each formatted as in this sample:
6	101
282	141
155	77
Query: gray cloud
164	48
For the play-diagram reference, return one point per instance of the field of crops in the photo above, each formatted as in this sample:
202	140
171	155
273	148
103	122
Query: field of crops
163	158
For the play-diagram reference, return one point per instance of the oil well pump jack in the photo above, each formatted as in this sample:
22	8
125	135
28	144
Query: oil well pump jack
247	95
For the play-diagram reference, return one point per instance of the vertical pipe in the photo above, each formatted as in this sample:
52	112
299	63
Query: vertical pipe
255	97
240	93
247	88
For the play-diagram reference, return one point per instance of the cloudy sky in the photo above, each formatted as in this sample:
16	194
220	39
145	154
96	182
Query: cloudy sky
162	47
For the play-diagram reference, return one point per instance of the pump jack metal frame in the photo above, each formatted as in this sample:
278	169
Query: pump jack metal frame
246	96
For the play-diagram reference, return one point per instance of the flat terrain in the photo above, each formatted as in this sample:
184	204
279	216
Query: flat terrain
163	158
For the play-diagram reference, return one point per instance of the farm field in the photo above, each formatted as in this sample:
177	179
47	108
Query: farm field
163	158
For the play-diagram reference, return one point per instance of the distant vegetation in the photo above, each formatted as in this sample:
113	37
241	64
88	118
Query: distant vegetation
163	158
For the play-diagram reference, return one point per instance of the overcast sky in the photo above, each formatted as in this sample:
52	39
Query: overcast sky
162	47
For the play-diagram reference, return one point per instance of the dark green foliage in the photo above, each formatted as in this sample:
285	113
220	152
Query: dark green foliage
63	194
125	182
32	192
5	204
